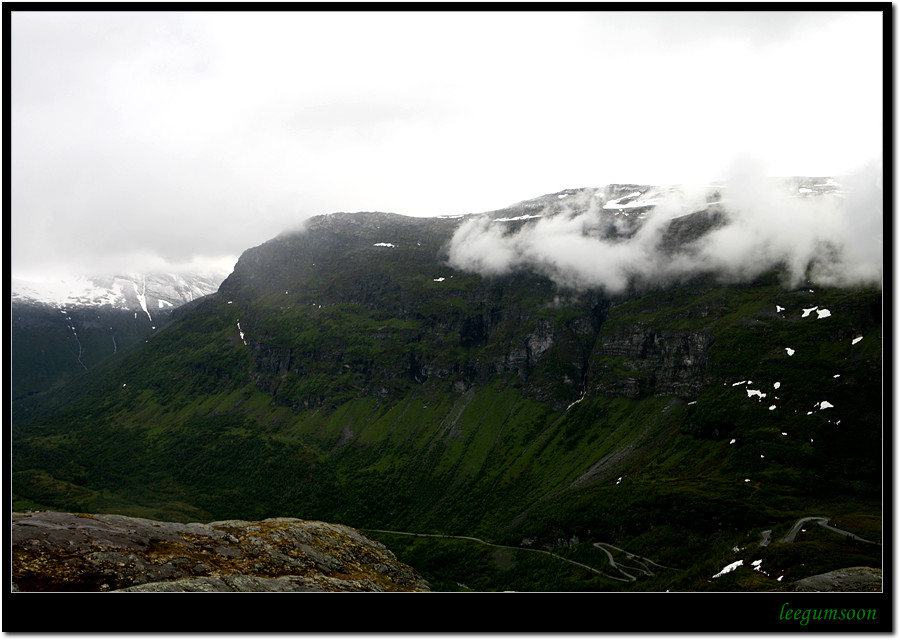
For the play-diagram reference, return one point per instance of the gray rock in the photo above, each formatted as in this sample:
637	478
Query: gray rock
246	583
849	579
654	362
84	552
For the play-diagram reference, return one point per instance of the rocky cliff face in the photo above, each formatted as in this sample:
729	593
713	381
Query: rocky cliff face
54	551
437	322
646	361
371	297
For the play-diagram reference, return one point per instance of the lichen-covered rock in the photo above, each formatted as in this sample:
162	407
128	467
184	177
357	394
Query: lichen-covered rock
849	579
54	551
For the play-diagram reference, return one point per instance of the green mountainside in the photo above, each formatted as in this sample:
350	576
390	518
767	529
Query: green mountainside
346	373
48	351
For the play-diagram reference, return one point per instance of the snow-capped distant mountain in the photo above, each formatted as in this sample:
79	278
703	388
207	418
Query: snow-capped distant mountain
626	199
63	328
146	293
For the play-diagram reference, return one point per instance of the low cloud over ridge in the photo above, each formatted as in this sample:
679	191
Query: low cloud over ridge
831	234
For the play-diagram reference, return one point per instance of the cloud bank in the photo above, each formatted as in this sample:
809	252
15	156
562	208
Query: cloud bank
830	234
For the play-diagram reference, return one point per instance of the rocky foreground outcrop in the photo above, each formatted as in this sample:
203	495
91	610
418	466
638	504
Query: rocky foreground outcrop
849	579
54	551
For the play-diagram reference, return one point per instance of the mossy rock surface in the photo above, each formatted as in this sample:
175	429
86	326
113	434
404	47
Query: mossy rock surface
54	551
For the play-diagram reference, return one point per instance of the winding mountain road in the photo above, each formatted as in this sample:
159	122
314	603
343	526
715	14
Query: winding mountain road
823	522
600	545
630	556
635	563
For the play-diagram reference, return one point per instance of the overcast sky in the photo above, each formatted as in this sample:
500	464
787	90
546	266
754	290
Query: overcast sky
158	140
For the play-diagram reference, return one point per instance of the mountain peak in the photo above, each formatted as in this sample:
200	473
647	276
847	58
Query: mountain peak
142	292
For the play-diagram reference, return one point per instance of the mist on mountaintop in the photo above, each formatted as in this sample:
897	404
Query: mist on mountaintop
824	239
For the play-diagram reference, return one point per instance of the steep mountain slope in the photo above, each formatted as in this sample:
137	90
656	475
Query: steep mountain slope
60	329
347	372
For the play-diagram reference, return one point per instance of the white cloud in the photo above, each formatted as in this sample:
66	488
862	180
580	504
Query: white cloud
766	224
